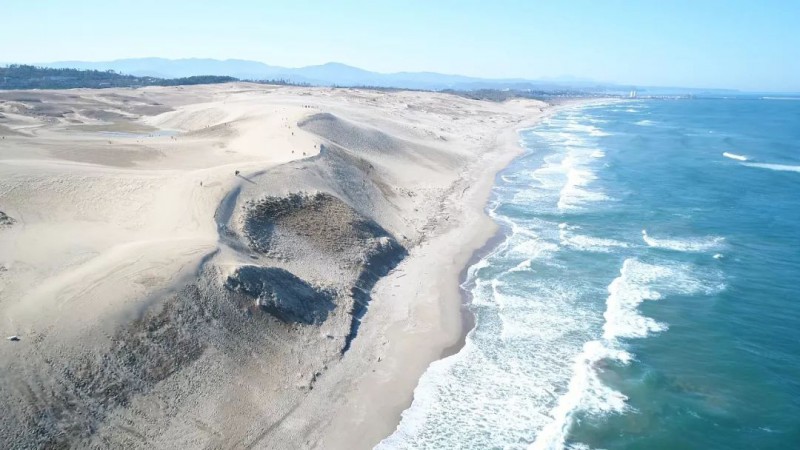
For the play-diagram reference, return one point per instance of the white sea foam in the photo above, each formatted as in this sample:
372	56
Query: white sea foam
591	130
734	156
569	237
626	292
776	167
781	98
519	348
645	123
569	176
701	244
598	154
576	191
522	266
585	392
531	248
562	138
550	177
577	165
637	282
640	281
570	172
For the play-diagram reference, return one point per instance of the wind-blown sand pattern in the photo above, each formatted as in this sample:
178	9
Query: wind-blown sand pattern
234	266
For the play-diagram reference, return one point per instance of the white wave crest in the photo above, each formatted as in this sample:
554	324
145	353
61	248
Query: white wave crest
563	138
523	266
626	293
640	281
565	179
734	156
569	238
585	392
598	154
780	98
776	167
575	192
684	245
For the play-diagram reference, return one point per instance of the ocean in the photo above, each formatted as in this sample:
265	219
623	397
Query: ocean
644	294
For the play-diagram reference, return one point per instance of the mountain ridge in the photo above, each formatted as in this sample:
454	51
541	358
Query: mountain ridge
340	74
327	74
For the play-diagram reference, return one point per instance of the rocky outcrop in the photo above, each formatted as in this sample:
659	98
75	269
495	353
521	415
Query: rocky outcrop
6	220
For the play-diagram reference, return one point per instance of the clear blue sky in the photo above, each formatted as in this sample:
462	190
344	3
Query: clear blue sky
751	45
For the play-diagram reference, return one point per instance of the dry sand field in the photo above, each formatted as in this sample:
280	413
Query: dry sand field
235	265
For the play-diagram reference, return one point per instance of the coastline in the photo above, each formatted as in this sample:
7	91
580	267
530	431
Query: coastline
467	317
409	349
499	234
435	325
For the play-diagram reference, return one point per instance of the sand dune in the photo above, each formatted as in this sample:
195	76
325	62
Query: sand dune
234	266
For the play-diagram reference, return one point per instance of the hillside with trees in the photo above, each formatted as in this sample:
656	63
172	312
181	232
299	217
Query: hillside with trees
18	76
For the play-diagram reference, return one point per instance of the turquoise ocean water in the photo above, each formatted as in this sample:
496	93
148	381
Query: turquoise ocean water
645	293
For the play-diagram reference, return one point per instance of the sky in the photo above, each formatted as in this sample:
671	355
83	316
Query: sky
748	45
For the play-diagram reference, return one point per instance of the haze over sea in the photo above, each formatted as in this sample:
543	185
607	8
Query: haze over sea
644	295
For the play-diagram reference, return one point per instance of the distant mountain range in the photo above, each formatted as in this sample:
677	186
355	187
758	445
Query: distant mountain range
330	74
337	74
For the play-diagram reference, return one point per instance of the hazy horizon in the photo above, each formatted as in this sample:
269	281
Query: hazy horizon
732	45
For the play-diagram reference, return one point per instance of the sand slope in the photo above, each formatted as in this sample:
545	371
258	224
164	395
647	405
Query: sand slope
163	301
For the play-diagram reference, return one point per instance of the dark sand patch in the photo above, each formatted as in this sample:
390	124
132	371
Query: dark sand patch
282	294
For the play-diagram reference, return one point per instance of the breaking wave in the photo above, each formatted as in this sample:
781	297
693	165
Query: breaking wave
734	156
586	393
776	167
686	244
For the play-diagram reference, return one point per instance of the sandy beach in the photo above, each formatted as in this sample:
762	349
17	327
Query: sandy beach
236	265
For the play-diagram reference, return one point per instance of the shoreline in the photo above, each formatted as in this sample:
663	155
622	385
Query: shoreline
491	235
468	318
499	235
434	326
